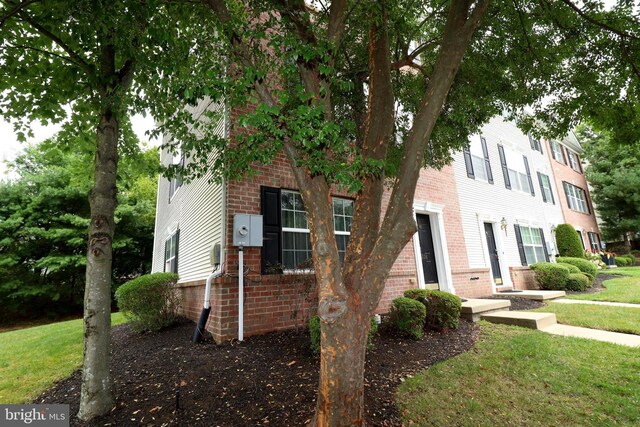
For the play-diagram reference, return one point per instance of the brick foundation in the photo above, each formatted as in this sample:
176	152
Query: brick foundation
523	278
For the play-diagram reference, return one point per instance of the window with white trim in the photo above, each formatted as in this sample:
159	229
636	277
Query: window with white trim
576	198
574	161
171	253
533	244
296	245
557	152
545	186
594	241
517	170
176	181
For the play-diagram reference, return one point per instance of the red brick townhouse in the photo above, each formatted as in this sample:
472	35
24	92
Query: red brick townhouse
572	188
194	223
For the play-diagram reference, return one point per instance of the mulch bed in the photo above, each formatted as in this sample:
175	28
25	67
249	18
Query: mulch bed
265	380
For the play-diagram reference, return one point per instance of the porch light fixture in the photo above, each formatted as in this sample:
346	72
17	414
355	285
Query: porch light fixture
503	224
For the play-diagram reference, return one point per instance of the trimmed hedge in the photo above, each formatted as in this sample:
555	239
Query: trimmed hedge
149	302
631	259
551	276
443	308
578	282
314	333
621	261
572	268
584	265
407	316
568	241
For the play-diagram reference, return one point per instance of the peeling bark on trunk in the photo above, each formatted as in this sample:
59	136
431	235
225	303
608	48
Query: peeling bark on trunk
96	398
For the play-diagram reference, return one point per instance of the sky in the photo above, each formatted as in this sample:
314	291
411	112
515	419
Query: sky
10	147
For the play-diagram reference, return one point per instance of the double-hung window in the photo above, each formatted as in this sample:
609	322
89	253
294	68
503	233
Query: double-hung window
557	152
476	159
286	232
535	144
574	161
171	253
594	242
176	181
576	197
531	245
515	170
545	188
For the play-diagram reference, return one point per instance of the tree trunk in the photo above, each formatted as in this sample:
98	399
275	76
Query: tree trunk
341	388
96	398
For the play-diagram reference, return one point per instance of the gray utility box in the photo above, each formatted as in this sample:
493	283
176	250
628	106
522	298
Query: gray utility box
247	230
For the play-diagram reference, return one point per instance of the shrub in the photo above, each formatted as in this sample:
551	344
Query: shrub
568	241
551	276
149	302
407	316
590	277
577	282
621	261
584	265
572	268
631	258
443	308
314	333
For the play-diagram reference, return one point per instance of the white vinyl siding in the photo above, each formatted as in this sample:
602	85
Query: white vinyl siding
197	210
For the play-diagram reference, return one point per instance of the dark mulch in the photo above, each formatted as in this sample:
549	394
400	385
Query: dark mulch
518	303
265	380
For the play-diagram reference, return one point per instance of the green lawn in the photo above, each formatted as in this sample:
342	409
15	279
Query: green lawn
516	377
32	359
623	289
608	318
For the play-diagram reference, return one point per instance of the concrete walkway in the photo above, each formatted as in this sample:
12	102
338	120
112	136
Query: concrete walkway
593	334
584	301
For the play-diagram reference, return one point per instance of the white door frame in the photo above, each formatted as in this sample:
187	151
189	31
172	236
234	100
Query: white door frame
502	259
443	265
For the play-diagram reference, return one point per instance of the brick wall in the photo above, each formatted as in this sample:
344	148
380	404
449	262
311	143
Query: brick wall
523	278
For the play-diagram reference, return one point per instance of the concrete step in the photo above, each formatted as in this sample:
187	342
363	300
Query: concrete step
525	319
536	295
472	308
594	334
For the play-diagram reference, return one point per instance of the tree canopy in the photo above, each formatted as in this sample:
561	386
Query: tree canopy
614	175
43	224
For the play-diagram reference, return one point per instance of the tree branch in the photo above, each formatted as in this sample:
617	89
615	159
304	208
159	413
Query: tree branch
84	65
46	52
17	8
597	23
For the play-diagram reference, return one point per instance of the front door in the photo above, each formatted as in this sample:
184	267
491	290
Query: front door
427	250
493	253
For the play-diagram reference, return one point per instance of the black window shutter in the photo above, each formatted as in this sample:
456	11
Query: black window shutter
467	162
579	163
271	227
553	201
174	265
523	257
544	245
503	162
544	196
565	154
487	163
526	167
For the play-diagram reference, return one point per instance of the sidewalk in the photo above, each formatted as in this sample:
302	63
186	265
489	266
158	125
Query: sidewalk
593	334
584	301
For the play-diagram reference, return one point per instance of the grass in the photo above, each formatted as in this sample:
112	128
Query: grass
32	359
608	318
516	376
623	289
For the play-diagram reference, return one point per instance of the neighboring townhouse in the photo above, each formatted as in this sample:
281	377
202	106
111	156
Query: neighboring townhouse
508	203
573	190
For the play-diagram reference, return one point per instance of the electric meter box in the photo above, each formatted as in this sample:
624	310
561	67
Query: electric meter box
247	230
